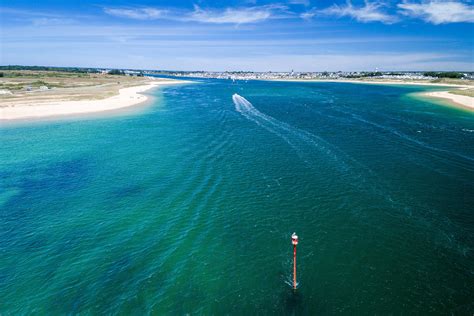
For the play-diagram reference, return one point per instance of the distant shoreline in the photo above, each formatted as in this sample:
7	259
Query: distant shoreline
381	82
127	97
462	101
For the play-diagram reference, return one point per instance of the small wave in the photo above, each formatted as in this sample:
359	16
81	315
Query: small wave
296	138
304	143
408	138
289	282
363	178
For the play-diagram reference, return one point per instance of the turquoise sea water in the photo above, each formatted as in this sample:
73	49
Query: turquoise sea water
187	204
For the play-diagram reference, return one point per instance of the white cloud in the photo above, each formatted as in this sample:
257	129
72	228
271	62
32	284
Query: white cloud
439	12
370	12
300	2
239	15
397	61
136	13
309	14
66	46
327	62
235	15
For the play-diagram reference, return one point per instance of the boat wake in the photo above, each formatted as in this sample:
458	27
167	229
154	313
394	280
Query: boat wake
314	150
299	140
322	156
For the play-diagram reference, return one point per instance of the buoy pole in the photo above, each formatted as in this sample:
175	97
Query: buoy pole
294	241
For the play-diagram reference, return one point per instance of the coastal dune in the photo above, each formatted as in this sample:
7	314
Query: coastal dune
126	97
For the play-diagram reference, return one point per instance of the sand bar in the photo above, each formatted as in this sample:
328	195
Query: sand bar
126	97
462	100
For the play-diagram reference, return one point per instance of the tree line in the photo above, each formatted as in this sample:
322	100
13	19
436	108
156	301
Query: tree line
47	68
448	74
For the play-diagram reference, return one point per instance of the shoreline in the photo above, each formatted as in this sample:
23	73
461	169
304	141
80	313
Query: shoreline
127	97
381	82
461	101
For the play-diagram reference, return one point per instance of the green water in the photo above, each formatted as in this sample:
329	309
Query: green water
187	205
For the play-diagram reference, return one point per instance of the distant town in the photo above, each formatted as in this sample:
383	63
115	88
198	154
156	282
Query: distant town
268	75
242	75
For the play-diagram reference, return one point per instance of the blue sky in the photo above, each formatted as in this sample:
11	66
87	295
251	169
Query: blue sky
303	35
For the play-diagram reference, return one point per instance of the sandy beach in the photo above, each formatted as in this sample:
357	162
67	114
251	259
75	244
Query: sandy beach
37	108
461	100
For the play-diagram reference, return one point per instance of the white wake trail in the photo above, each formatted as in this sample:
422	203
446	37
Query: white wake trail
291	135
304	143
248	111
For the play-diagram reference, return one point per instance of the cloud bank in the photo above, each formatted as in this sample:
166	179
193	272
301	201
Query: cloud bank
370	12
136	13
439	12
229	15
434	12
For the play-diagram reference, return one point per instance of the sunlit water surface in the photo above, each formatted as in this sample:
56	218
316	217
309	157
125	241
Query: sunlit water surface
187	204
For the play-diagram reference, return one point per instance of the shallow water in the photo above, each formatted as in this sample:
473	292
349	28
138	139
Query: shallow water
187	205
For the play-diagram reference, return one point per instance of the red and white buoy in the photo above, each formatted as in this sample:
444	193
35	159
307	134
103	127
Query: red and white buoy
294	241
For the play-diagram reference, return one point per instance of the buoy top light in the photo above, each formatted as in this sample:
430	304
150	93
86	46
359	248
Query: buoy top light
294	239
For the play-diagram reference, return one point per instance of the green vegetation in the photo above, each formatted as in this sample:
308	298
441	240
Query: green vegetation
38	83
11	86
46	68
365	74
24	85
18	82
449	74
466	92
43	74
116	72
373	74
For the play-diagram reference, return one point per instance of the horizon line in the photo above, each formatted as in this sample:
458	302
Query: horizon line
230	71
